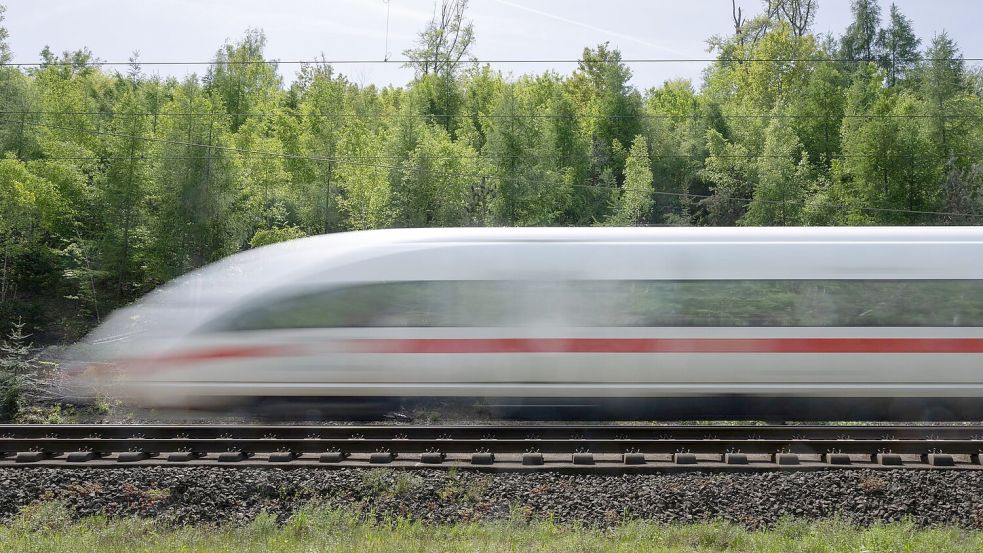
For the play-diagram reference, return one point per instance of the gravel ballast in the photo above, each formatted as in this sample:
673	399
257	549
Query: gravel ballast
195	495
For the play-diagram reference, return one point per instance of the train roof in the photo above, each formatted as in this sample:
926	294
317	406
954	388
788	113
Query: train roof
655	234
684	252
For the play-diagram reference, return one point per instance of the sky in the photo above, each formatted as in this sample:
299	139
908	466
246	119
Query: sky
192	30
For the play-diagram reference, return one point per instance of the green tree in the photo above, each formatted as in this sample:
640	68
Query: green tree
532	185
5	54
18	366
242	79
325	101
365	192
16	101
634	201
944	86
444	43
198	206
482	90
120	194
816	114
898	46
30	209
438	179
860	40
731	171
676	123
608	109
797	14
963	191
783	179
888	160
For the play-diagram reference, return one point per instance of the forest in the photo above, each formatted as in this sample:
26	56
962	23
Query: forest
113	180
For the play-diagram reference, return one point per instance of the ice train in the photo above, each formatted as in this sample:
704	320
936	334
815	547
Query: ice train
674	323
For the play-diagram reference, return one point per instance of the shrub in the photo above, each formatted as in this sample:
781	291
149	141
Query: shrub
23	377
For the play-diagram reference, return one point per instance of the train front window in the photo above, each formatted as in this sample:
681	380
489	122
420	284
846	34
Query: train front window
623	303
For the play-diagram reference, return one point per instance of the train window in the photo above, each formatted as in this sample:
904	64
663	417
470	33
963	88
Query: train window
721	303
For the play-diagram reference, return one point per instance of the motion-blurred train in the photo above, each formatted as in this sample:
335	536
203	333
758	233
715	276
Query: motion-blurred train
672	323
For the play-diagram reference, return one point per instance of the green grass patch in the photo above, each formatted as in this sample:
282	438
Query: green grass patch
51	528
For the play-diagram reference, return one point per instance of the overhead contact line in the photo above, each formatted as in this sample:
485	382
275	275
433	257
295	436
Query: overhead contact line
475	61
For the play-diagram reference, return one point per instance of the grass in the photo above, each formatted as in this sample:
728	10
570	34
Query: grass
387	483
50	527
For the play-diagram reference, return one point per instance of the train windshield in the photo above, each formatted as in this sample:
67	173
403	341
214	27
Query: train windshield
625	303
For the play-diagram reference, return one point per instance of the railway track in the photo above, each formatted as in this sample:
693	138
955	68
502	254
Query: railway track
547	447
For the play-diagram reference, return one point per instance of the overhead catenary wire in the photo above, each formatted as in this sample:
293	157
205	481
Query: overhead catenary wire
476	61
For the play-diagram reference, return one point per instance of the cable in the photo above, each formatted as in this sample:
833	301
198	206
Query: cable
479	61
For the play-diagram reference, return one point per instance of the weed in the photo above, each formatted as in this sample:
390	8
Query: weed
406	483
873	485
375	482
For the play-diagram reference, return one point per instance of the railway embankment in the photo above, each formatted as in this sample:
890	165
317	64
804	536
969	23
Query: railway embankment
214	495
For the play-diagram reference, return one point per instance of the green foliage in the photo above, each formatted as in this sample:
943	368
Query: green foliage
5	54
37	414
446	41
898	47
18	371
635	198
111	184
438	179
54	527
365	190
264	237
731	172
783	180
531	185
381	483
860	40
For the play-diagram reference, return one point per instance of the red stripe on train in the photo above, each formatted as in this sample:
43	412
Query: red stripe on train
665	345
139	364
229	353
581	345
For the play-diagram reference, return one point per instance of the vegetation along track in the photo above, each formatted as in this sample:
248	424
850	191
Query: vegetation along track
545	447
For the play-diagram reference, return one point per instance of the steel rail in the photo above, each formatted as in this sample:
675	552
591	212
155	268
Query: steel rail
501	447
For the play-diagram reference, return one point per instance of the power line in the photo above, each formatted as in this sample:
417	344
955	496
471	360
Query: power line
405	62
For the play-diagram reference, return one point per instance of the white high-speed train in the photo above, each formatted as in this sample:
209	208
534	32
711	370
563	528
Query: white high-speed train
762	323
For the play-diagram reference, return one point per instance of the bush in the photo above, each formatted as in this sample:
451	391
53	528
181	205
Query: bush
22	376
